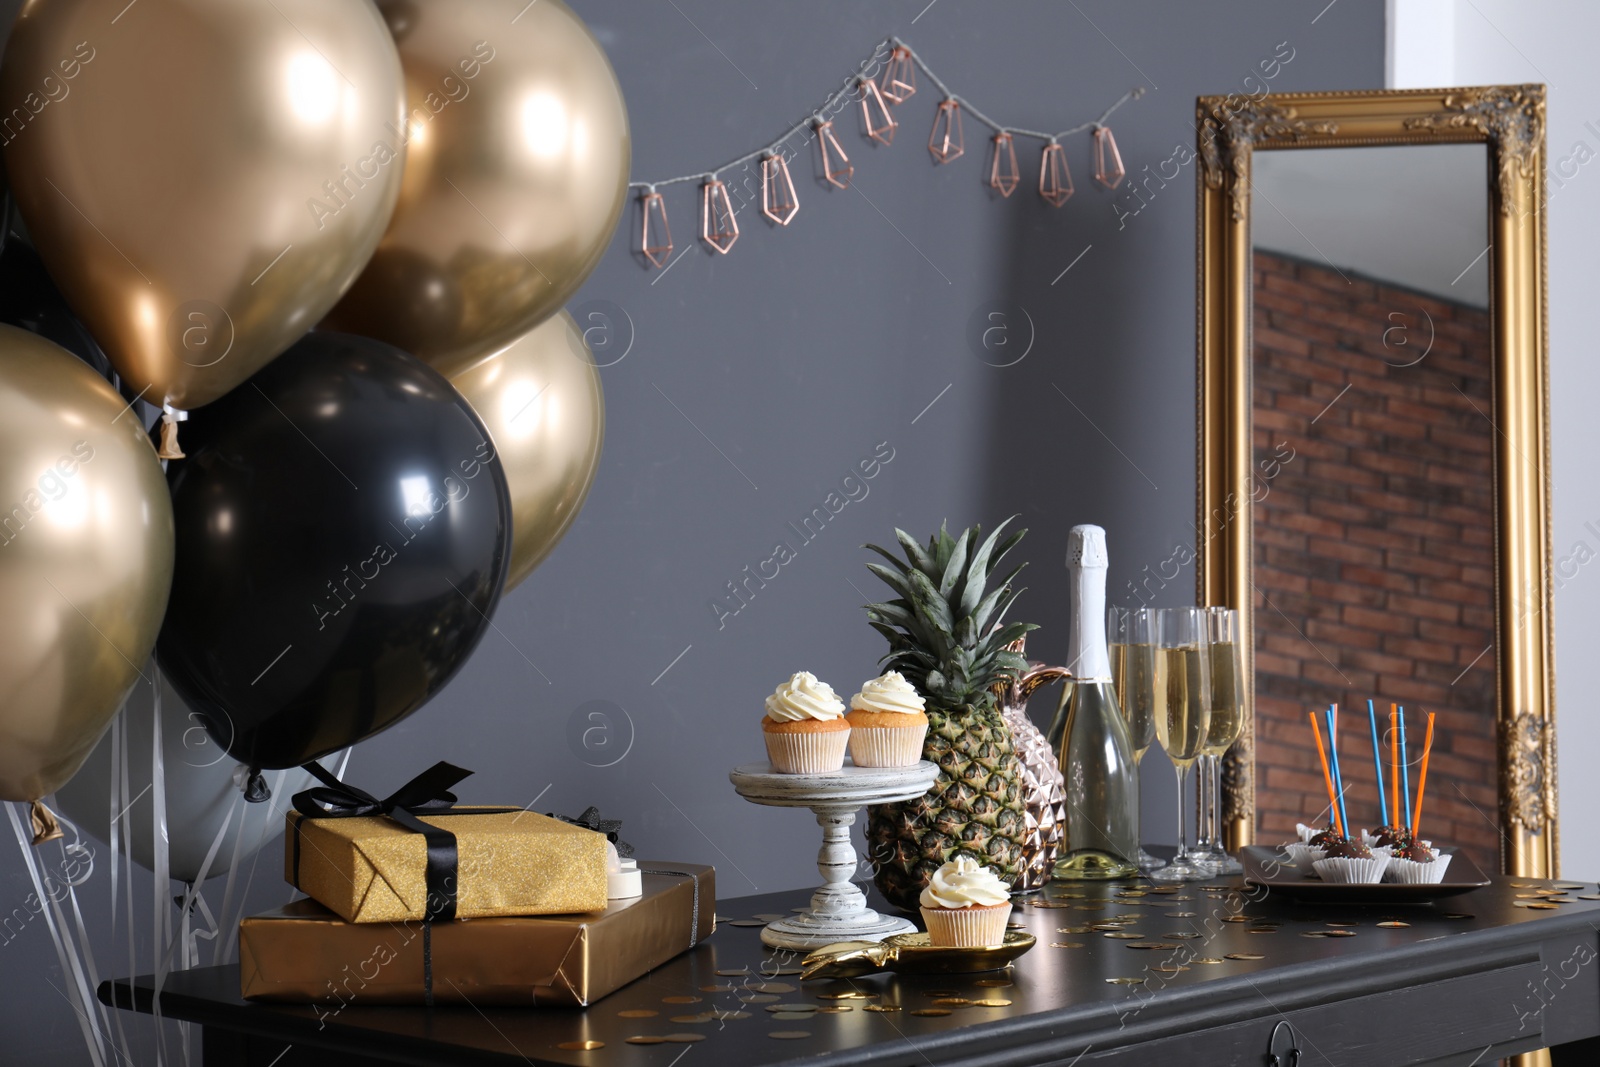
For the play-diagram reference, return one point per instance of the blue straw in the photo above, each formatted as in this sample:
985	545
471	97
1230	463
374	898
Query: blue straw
1377	761
1338	782
1405	771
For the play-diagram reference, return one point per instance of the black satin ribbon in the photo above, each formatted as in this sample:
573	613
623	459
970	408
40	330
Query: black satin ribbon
590	820
426	794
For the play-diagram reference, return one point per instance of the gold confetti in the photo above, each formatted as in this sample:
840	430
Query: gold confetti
1183	935
992	1002
1125	981
790	1035
835	1009
1166	968
733	1015
1315	933
702	1017
734	972
1180	914
1090	907
931	1011
1543	905
1123	935
1206	959
880	1007
848	994
1340	924
996	983
681	1000
581	1046
1338	933
684	1039
941	992
770	916
1069	930
1236	918
792	1016
1564	886
793	1007
647	1039
1522	885
637	1013
1162	889
1244	956
716	989
759	998
1066	944
953	1002
1160	945
1589	896
745	922
773	987
1456	915
1393	924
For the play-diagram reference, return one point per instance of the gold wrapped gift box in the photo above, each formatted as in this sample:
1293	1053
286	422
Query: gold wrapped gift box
372	869
303	953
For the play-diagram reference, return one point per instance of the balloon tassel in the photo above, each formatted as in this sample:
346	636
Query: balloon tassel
46	827
170	417
255	787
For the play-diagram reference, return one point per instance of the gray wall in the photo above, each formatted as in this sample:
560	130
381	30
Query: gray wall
755	382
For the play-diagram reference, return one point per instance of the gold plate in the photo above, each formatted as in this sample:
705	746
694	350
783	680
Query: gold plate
912	954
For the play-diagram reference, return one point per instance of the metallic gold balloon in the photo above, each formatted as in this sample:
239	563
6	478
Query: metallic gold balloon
516	171
85	560
204	178
541	402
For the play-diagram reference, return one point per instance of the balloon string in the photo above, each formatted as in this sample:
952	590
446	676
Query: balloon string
119	779
75	993
159	857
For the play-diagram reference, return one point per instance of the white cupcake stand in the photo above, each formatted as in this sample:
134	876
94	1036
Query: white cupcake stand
838	909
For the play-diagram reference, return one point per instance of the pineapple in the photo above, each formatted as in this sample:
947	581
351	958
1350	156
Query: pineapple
946	638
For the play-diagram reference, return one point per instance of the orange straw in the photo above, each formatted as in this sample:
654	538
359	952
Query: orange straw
1394	767
1327	775
1422	776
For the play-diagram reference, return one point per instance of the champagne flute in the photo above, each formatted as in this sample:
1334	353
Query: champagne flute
1130	635
1183	715
1227	720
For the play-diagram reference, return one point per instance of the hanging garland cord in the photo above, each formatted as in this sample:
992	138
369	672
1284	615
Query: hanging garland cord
850	84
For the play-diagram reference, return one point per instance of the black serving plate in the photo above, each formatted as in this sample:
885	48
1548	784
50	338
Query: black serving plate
1271	869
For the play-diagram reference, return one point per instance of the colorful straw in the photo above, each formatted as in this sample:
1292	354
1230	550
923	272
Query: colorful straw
1377	761
1338	779
1422	776
1405	769
1394	767
1327	775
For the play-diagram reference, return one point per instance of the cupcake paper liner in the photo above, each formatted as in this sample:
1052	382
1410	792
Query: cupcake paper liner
816	752
1353	871
1410	872
975	927
887	746
1302	855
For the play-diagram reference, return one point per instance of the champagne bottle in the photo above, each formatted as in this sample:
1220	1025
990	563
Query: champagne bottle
1101	836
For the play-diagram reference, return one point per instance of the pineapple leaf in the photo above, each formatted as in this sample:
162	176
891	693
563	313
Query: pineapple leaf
978	568
895	580
930	605
955	567
1005	546
919	559
899	564
893	614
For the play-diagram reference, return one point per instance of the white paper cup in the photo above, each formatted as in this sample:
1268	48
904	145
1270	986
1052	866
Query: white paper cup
974	927
1352	871
887	746
1410	872
816	752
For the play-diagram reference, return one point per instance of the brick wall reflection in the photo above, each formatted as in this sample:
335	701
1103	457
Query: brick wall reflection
1374	548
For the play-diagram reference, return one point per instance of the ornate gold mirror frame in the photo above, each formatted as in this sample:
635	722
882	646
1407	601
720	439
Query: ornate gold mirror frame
1510	121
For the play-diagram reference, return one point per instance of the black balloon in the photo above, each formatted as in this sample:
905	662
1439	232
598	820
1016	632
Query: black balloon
343	532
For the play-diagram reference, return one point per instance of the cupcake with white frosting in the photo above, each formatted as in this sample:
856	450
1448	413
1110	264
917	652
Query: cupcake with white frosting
965	906
887	723
805	727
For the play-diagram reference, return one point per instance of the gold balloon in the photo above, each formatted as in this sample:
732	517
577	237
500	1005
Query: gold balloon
85	560
516	171
540	400
203	178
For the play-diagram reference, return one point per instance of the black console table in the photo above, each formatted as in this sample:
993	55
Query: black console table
1466	981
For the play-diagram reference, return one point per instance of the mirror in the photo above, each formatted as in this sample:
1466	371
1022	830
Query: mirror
1374	536
1373	472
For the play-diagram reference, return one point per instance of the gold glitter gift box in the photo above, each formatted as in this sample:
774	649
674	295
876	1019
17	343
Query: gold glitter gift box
372	869
303	953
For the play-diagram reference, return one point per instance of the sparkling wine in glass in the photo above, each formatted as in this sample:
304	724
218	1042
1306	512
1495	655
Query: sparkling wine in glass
1182	714
1227	721
1134	661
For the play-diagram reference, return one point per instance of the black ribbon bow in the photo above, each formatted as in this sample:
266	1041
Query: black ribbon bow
591	820
426	794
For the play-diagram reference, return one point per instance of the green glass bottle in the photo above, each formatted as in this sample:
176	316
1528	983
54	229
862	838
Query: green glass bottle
1101	836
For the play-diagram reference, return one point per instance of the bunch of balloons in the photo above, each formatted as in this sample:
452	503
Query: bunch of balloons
331	244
